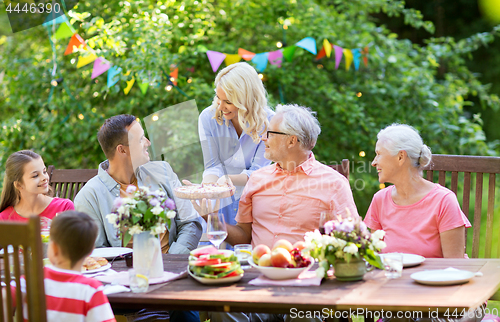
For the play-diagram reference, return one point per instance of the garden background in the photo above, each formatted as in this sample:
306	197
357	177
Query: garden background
434	75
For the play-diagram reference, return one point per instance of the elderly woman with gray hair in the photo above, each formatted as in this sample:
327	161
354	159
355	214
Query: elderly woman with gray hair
418	216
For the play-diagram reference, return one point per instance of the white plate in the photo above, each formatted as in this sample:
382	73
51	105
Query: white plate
279	273
442	277
212	281
110	252
100	269
410	260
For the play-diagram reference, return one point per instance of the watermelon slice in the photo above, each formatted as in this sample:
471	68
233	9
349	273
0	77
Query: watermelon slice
206	250
205	262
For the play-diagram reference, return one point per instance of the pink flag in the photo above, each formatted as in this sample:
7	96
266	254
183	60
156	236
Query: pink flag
338	55
275	57
100	66
215	59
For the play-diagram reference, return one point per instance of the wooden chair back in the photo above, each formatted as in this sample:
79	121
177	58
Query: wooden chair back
342	168
25	259
67	182
465	166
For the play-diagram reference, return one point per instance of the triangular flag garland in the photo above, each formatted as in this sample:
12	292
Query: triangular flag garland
327	47
85	60
245	54
75	41
49	21
100	66
215	58
65	30
232	59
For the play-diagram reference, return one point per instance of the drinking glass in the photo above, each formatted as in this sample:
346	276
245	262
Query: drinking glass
216	229
45	233
139	279
243	252
393	265
324	217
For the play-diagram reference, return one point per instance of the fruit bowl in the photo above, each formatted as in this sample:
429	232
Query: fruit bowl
279	273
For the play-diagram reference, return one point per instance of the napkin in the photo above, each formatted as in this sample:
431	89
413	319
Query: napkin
112	289
106	272
122	278
478	274
307	278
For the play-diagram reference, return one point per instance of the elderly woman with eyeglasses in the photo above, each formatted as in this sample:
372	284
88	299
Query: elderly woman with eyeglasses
230	131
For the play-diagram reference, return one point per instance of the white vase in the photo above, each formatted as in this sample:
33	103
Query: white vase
147	253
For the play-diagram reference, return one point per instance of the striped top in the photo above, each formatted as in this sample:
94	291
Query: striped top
71	296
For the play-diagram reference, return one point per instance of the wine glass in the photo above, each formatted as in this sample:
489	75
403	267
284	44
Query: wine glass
216	229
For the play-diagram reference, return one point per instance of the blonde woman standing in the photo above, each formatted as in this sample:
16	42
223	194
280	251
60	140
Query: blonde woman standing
230	131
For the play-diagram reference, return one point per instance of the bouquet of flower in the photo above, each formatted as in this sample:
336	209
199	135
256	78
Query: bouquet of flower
344	239
143	211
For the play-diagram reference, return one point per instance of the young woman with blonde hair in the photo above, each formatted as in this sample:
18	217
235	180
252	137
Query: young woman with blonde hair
26	188
230	131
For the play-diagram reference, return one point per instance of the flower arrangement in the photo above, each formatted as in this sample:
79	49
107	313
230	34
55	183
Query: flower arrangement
345	239
145	210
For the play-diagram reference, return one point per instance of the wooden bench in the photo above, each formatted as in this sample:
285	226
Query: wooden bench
67	182
465	168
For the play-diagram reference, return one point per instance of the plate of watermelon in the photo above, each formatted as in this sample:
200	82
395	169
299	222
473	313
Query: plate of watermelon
208	265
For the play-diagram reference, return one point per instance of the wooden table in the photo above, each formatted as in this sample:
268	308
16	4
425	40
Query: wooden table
374	293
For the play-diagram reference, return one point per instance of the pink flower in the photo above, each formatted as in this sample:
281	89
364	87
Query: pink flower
169	203
131	189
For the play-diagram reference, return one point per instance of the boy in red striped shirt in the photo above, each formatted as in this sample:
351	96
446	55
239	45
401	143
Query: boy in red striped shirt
70	296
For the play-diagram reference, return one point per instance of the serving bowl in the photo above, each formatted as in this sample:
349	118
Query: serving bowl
279	273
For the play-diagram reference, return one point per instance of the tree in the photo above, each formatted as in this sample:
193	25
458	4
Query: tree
400	83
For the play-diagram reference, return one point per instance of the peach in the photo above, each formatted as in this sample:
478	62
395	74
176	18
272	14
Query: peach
280	257
265	260
258	251
300	245
283	243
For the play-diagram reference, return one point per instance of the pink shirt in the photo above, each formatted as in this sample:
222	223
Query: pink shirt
415	228
284	204
55	206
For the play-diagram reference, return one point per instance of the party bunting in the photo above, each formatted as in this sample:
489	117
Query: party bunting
144	87
321	54
215	59
365	56
113	73
174	76
75	42
338	55
309	44
130	83
51	21
65	30
245	54
85	60
327	47
232	59
100	66
356	55
288	52
348	58
261	61
276	57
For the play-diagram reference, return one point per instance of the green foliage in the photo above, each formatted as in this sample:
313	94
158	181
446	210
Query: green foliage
426	86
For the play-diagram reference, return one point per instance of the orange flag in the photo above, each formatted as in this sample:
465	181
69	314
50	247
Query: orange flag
245	54
175	76
75	41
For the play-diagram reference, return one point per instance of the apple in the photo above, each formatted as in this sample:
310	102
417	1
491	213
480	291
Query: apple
300	245
281	257
265	260
258	251
283	243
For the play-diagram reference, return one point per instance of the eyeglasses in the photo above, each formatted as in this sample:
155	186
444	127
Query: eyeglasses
266	134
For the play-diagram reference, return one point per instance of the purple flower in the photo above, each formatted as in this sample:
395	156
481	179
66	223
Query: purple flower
117	203
154	202
346	226
131	189
362	226
169	203
329	227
